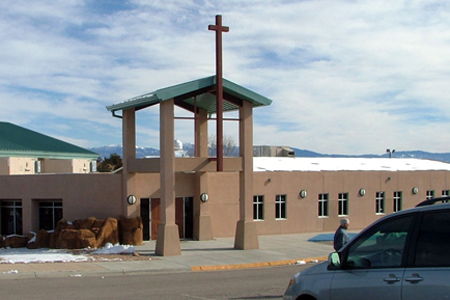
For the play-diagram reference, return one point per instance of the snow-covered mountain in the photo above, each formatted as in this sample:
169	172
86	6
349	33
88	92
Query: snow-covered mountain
106	151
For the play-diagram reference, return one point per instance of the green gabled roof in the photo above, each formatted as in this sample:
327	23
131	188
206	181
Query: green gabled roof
203	90
16	141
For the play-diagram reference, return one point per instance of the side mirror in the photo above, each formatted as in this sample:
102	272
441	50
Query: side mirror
334	261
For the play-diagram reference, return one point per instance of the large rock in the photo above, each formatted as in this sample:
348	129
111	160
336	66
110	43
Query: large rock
85	223
89	232
131	231
43	239
60	226
108	233
16	241
76	239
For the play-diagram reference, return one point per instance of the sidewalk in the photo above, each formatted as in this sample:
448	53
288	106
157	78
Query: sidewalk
217	254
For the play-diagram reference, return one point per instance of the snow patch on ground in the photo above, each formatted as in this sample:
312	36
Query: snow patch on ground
45	255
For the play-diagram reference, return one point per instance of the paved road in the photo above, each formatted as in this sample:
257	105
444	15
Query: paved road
261	283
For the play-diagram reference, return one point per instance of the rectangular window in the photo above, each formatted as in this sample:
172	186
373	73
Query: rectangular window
50	212
11	216
445	193
258	207
430	195
397	201
343	204
379	203
280	207
323	205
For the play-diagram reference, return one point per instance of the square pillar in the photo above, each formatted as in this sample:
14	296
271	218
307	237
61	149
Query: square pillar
202	220
129	152
246	237
201	134
168	240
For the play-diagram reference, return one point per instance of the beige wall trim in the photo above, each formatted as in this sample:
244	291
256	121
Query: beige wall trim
184	164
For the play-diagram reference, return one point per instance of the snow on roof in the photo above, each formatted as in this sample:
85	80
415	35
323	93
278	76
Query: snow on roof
262	164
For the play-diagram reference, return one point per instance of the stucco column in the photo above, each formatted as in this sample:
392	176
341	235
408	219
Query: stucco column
129	152
201	134
168	240
202	219
246	235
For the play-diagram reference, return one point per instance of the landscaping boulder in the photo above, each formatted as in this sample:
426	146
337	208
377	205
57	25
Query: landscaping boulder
76	239
131	230
108	233
42	239
86	233
16	241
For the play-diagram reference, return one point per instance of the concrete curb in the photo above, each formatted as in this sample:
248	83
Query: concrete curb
259	265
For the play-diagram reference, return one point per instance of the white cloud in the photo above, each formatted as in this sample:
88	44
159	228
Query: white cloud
347	77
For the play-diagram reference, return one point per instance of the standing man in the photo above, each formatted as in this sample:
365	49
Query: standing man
341	237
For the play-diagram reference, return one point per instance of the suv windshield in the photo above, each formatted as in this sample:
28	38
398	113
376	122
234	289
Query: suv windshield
380	247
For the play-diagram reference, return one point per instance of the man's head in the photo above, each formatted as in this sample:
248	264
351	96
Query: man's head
345	223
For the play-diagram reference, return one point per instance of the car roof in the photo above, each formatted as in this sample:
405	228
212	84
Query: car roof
434	201
434	204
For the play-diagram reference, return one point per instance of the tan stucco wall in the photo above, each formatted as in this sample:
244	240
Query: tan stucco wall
223	204
56	166
26	165
148	185
17	165
81	166
4	165
83	196
302	213
100	195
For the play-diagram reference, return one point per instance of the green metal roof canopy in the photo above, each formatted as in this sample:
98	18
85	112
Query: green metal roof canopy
16	141
199	92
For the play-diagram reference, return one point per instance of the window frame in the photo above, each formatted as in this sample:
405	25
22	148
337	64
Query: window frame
323	205
445	193
380	203
343	205
397	201
53	205
17	214
258	208
280	207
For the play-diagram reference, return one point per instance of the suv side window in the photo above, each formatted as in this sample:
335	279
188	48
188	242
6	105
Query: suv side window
433	242
381	247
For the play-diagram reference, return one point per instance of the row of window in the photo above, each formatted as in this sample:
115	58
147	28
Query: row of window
323	204
11	216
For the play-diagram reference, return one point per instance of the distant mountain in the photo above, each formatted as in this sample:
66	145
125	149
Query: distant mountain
106	151
445	157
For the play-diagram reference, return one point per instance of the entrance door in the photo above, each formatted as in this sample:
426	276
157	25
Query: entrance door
179	216
145	215
151	217
155	217
189	217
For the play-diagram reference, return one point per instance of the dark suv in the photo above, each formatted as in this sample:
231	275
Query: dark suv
405	255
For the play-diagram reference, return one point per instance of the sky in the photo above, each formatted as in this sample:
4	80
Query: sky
345	76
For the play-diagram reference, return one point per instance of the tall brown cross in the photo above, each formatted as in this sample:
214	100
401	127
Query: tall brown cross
218	28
